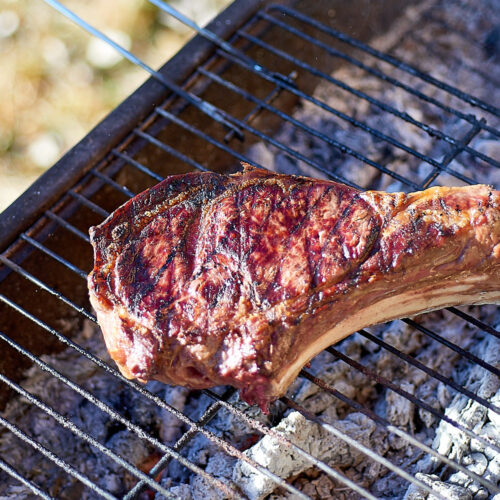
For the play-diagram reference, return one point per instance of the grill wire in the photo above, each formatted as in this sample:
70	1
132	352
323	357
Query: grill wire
107	174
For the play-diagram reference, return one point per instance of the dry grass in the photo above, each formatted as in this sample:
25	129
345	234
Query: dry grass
56	83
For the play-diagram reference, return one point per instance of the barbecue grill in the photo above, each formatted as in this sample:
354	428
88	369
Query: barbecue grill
241	91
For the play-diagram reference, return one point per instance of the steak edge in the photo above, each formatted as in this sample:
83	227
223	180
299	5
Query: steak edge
208	279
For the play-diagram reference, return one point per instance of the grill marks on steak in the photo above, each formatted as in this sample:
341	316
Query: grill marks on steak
208	279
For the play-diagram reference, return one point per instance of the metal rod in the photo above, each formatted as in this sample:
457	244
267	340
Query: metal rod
64	223
29	484
452	154
271	141
207	416
316	133
170	150
356	123
199	133
54	255
89	204
209	109
454	347
433	373
25	274
410	397
343	147
269	98
432	49
54	458
113	183
137	165
283	439
476	322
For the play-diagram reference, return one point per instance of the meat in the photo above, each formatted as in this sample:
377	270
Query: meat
208	279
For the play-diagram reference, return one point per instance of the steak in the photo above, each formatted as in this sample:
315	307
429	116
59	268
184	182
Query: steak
209	279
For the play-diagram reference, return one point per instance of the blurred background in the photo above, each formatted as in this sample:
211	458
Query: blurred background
57	82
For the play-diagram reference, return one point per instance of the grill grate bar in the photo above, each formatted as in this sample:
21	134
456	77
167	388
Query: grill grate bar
209	435
89	204
207	416
433	373
54	458
391	428
367	451
397	63
441	166
432	131
65	422
476	322
289	444
54	255
137	165
451	155
32	486
25	274
374	71
332	142
452	59
117	416
270	97
421	404
67	225
454	347
199	133
379	420
170	150
111	182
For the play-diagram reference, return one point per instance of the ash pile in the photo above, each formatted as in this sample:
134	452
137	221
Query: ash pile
466	56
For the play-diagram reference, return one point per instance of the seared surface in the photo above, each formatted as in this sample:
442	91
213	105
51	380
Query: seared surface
208	279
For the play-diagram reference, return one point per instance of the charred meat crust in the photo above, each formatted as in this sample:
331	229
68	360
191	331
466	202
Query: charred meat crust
209	279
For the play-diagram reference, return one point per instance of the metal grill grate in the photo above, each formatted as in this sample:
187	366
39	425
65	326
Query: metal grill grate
209	123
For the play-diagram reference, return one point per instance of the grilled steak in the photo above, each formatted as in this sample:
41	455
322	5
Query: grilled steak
209	279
